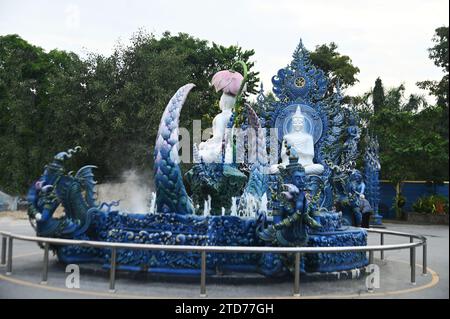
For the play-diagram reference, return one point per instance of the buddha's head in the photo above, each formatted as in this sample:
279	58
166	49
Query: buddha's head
298	121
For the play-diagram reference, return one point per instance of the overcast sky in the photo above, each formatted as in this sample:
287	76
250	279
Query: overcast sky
384	38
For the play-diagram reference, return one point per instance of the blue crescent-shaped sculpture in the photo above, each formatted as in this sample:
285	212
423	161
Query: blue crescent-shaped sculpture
171	196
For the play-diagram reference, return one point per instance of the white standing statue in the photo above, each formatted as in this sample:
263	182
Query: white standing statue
207	207
152	208
233	206
229	83
302	143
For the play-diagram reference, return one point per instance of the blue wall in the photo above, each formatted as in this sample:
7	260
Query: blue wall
411	190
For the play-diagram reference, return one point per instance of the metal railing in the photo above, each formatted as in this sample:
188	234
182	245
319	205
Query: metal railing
8	238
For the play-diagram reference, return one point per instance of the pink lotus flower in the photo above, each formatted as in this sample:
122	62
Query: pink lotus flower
227	81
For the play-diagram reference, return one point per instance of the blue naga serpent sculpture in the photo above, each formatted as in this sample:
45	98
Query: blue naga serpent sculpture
74	192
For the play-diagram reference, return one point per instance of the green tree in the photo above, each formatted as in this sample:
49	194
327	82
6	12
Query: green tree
30	83
439	89
439	55
378	95
411	147
149	71
435	119
110	105
337	67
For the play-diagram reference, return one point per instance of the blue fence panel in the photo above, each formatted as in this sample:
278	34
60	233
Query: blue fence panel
411	190
387	197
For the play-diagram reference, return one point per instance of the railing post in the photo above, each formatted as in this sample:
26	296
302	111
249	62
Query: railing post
411	240
413	265
297	275
381	243
45	265
112	273
10	256
369	284
3	258
424	259
203	276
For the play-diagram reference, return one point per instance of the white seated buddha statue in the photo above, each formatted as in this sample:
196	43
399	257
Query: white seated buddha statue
302	143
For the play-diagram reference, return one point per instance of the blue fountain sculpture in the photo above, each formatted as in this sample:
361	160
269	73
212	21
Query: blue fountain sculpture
250	203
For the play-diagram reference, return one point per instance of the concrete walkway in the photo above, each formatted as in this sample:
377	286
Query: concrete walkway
394	275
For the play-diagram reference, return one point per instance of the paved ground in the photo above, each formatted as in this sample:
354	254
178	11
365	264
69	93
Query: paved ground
394	281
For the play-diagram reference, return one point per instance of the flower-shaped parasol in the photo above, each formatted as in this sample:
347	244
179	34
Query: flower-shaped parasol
227	81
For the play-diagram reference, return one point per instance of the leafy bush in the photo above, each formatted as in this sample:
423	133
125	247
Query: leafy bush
434	204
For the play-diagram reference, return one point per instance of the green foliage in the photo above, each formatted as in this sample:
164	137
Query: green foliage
439	53
413	135
433	204
26	132
337	67
439	89
378	96
111	106
410	145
